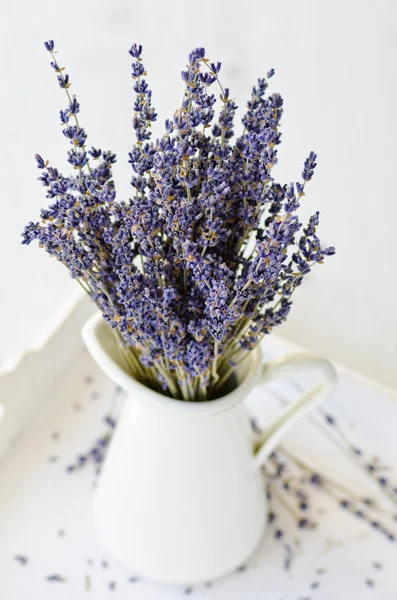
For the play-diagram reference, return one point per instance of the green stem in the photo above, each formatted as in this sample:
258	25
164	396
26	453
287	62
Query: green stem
215	376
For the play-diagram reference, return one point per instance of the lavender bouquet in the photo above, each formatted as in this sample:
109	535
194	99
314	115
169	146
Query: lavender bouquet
201	263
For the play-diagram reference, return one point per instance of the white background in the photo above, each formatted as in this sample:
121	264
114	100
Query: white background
336	68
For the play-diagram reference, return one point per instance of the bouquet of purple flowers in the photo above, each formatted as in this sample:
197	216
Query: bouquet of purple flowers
201	263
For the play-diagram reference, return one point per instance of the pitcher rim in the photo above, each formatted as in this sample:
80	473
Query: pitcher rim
95	330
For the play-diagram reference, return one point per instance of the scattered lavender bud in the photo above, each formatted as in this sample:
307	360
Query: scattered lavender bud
56	578
112	585
302	495
23	560
383	481
315	479
288	557
271	517
368	501
109	421
278	534
255	427
303	523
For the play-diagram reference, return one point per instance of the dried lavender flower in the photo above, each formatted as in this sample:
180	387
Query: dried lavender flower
202	262
56	578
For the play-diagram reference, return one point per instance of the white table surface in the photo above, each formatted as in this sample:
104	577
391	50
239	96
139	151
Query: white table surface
45	512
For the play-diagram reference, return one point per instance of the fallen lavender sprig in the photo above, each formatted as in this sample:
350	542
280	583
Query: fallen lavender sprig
201	263
330	428
297	477
97	452
304	477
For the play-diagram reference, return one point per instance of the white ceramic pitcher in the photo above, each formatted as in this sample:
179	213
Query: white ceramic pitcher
181	498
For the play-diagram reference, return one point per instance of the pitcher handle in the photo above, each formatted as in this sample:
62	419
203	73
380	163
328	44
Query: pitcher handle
292	364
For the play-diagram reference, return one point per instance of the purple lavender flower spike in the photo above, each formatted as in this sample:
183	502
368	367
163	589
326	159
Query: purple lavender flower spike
309	166
202	261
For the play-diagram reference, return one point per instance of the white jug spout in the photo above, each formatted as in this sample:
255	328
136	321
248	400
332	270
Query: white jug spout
102	344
